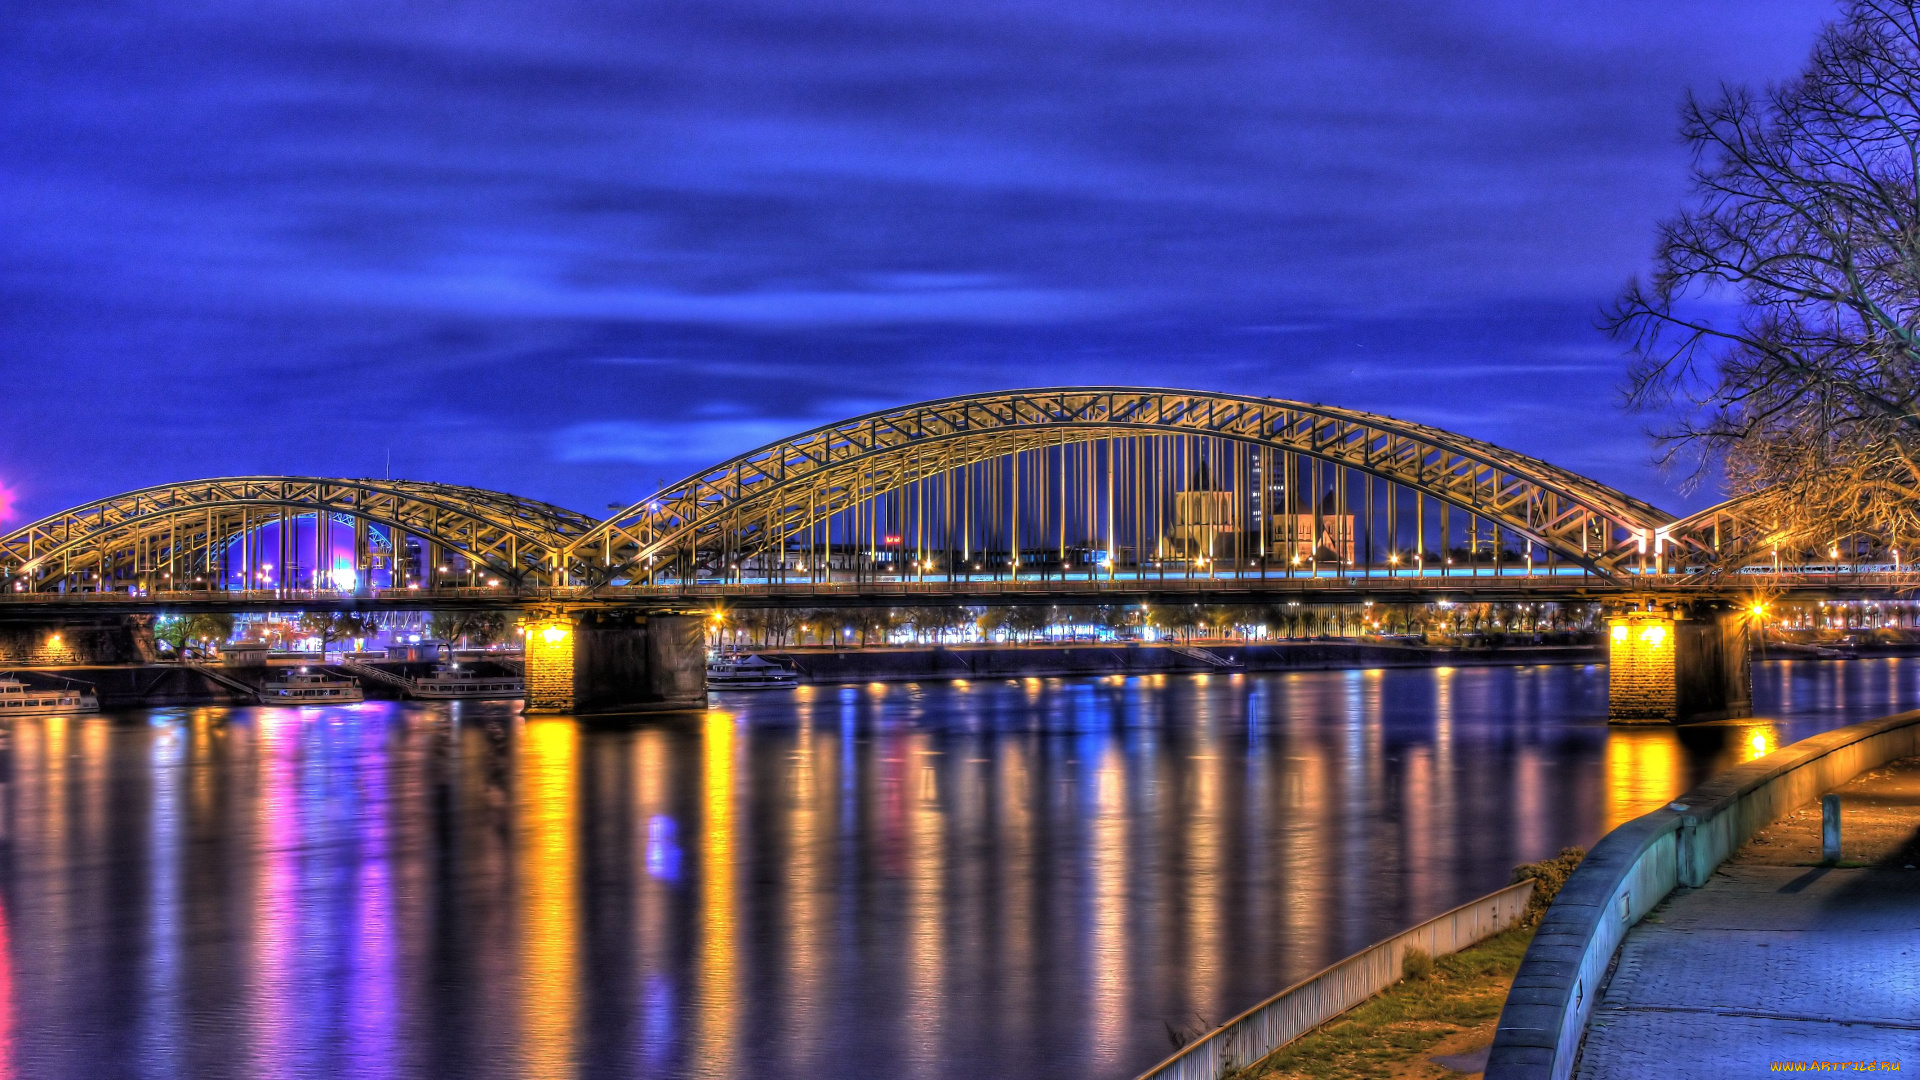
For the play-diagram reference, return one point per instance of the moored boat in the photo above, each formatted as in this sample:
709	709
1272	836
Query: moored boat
749	673
305	687
19	699
455	682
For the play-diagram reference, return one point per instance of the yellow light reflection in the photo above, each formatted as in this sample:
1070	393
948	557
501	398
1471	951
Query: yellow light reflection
1644	771
549	985
716	1006
926	945
1205	879
1762	740
807	927
1109	910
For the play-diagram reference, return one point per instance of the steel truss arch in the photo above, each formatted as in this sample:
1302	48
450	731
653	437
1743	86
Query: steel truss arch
516	538
772	491
1742	532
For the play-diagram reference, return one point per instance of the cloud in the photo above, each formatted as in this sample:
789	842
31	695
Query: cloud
716	432
462	230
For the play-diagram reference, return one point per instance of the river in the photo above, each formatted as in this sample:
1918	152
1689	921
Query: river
1018	878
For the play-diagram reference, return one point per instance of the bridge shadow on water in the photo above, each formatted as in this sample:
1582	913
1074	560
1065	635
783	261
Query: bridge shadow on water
1015	878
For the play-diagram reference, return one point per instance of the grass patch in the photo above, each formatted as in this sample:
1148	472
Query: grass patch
1402	1025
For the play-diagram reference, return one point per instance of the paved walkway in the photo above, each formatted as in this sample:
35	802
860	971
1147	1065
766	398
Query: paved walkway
1778	959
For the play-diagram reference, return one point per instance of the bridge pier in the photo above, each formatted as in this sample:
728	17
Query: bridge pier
615	662
1678	663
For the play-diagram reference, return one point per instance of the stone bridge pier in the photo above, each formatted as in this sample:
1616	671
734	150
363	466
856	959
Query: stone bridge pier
1678	662
612	662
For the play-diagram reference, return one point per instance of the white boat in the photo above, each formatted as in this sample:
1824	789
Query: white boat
748	673
19	699
445	683
311	688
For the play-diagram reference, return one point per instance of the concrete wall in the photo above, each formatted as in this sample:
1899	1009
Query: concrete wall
614	662
549	664
1640	669
1713	673
1305	1005
1635	866
114	639
130	686
1663	669
677	661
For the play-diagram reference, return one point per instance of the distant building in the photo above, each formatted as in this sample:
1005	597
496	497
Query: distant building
1206	522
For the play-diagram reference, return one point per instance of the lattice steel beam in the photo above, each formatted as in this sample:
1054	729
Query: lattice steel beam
1595	525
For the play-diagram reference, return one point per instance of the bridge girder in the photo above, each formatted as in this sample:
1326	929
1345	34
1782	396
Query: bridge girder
766	495
183	524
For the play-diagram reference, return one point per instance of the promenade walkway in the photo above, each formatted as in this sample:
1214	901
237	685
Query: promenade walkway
1778	959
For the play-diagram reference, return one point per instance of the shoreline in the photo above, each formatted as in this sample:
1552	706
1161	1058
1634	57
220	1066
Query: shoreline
935	663
135	686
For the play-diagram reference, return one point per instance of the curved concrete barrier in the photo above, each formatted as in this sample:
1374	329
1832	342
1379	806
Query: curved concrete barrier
1635	866
1320	997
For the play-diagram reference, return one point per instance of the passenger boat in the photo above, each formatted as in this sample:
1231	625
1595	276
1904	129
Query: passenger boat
19	699
311	688
748	673
445	683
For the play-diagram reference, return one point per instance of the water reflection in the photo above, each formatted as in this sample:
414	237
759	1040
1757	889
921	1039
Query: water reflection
1015	878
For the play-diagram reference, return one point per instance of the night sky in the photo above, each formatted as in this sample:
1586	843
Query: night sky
569	249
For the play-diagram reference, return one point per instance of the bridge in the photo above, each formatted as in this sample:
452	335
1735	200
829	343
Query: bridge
1080	494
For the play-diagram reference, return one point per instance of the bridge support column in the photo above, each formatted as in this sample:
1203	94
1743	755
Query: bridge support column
615	662
1678	664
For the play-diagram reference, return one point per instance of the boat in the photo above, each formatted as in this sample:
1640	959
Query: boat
748	673
305	687
445	683
19	699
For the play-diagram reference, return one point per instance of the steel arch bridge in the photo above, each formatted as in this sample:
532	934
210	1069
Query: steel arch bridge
215	534
979	494
757	503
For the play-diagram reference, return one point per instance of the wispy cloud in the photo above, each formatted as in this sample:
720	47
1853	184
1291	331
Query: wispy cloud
296	234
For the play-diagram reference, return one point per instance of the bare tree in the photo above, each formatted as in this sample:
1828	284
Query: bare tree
1781	324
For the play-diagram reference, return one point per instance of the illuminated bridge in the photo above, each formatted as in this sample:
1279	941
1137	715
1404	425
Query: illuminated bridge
1085	493
1082	490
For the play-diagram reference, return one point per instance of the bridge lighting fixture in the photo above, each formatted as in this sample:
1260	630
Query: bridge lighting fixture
553	634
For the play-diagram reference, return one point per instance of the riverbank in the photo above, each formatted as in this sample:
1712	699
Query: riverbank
1433	1027
141	686
946	663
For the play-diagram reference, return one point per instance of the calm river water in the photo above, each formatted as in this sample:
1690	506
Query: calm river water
1032	878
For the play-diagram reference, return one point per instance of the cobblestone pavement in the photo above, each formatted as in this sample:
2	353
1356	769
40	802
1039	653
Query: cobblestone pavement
1777	959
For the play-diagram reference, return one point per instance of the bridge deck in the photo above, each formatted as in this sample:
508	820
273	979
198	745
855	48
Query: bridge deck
1775	959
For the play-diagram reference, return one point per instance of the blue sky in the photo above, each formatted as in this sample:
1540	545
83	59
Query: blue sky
570	249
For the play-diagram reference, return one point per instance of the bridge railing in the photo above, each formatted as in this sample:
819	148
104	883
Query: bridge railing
984	589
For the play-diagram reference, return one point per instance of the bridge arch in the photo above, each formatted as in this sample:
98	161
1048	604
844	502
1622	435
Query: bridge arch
171	534
754	505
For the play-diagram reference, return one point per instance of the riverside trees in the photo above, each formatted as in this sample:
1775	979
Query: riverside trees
1780	328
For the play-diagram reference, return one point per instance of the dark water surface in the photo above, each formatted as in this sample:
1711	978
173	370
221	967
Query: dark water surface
1012	879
